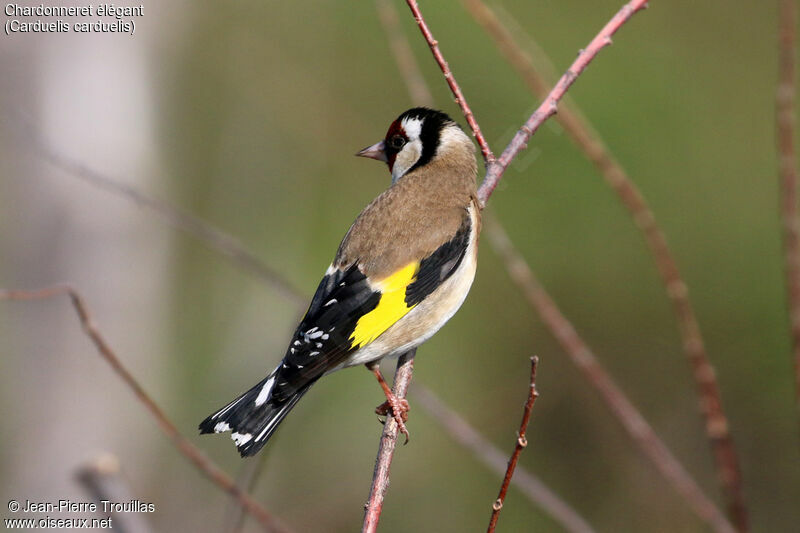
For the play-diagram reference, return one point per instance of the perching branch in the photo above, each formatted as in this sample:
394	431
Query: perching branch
184	446
380	479
586	138
522	442
787	163
586	361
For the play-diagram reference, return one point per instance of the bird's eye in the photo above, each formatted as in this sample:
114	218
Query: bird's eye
397	142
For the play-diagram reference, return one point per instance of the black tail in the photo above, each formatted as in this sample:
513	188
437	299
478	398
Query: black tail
252	417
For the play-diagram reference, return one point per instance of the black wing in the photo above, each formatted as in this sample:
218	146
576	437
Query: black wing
440	265
322	340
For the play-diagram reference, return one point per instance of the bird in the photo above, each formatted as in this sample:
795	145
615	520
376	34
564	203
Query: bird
401	272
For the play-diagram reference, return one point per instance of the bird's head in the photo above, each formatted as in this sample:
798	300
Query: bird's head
417	137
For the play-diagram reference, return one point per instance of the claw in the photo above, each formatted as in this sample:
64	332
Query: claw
397	406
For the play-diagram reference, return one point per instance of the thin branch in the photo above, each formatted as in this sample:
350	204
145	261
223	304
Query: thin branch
488	156
204	232
522	442
103	480
418	90
586	138
491	456
785	111
550	104
380	479
631	419
184	446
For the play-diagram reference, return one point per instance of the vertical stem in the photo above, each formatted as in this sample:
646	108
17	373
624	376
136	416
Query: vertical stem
522	442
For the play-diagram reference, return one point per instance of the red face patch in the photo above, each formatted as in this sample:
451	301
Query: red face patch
391	148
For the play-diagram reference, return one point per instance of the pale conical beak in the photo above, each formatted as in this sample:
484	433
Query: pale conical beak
376	151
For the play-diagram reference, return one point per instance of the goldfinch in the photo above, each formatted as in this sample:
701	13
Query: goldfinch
402	270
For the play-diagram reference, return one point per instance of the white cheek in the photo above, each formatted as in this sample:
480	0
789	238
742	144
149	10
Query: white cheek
406	158
412	127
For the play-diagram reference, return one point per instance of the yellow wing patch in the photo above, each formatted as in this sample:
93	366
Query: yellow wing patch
391	307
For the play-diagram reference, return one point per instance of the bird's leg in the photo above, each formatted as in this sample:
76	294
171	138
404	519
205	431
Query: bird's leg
398	406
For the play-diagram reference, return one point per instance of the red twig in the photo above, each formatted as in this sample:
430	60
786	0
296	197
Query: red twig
488	156
530	485
631	419
550	104
522	442
186	448
787	162
380	479
585	137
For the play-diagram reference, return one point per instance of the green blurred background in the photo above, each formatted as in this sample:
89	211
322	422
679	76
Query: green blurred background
247	113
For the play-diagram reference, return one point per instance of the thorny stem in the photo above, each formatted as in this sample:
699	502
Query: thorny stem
522	442
186	448
586	138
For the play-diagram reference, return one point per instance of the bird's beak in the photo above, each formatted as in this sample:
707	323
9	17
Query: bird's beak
376	151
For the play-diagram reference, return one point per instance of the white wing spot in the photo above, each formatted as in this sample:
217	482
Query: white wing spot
240	439
313	334
312	354
222	427
326	337
330	302
319	345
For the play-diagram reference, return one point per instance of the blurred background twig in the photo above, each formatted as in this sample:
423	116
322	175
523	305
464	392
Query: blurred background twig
187	449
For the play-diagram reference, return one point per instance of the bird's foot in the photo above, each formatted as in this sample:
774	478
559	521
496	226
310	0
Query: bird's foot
399	408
